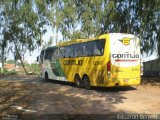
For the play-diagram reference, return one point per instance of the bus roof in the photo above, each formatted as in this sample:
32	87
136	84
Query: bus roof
50	47
103	36
80	40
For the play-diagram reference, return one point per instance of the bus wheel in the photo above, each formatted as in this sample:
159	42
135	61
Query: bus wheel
46	76
86	82
77	81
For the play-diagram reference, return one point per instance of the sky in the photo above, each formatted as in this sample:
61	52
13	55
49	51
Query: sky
146	57
33	55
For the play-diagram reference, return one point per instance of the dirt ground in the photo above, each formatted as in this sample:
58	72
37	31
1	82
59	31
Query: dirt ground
30	97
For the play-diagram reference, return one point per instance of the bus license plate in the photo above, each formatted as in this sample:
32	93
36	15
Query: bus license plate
126	80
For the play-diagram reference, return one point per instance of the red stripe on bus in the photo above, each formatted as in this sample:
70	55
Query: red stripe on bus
125	60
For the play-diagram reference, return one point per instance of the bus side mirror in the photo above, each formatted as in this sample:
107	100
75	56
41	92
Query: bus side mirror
38	59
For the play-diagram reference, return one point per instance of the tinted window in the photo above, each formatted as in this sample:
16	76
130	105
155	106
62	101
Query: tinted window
79	50
91	48
62	51
69	52
94	48
49	53
99	47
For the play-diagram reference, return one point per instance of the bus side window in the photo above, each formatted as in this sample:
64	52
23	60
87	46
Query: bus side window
76	50
89	49
56	54
86	50
84	53
69	51
96	50
79	50
52	56
100	46
62	52
47	55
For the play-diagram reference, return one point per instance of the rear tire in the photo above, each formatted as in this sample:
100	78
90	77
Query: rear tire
86	82
78	81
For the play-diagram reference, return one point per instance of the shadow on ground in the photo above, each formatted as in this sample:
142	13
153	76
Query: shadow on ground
33	98
100	89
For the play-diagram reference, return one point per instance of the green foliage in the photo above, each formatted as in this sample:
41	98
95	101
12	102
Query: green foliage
24	22
11	61
12	72
4	71
95	17
33	69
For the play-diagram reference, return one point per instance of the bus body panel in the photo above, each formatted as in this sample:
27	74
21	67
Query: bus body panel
124	68
48	65
51	75
95	66
125	59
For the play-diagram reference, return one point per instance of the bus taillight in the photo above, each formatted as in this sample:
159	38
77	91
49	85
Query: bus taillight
108	68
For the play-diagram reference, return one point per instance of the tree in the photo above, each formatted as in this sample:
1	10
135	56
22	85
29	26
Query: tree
3	42
26	20
97	16
87	17
67	18
140	18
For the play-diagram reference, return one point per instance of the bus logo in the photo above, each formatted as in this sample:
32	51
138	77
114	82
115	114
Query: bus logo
126	41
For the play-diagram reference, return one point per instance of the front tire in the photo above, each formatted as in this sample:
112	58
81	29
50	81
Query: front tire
86	82
77	81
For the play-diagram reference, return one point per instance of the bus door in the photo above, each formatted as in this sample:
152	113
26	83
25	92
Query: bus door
56	64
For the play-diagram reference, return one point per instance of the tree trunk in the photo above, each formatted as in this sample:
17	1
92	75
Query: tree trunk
56	34
15	59
15	64
41	41
23	65
20	58
2	69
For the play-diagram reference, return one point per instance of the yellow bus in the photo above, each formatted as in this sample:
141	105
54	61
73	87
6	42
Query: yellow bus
108	60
